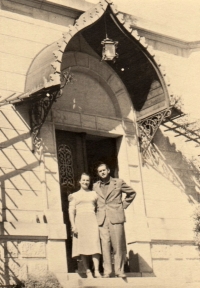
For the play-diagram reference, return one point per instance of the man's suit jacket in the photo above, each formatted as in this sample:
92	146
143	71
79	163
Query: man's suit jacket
112	205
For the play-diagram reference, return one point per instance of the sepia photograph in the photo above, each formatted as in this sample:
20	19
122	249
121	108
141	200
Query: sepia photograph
99	144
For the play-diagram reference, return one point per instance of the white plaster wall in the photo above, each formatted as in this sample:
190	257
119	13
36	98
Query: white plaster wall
22	200
169	187
170	200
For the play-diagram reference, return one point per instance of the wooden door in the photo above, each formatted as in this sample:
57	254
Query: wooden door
71	162
101	149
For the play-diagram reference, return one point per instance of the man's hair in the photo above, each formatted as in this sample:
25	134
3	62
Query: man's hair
100	164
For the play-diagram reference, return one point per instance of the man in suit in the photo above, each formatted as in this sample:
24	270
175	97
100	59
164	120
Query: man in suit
111	218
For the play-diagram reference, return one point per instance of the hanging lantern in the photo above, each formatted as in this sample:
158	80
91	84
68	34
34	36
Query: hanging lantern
109	50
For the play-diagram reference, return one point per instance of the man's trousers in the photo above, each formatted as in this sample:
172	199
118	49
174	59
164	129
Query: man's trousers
113	234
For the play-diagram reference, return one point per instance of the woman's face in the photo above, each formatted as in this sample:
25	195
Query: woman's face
85	181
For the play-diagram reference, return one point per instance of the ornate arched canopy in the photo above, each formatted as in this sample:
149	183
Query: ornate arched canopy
137	64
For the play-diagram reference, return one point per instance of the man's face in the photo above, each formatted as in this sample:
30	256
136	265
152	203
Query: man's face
103	172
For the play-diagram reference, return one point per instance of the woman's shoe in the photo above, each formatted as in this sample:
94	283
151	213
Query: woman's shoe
106	276
89	274
97	274
121	275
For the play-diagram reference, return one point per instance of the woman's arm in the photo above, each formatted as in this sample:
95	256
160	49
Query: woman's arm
72	212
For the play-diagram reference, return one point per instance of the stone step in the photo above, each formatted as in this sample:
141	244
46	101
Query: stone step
115	282
73	276
74	280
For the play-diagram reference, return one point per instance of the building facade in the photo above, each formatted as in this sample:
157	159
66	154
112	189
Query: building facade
63	109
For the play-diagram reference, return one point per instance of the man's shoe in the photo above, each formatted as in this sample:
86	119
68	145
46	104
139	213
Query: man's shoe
106	276
121	275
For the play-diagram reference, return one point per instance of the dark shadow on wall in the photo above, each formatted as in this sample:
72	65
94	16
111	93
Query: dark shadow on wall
8	259
132	265
19	179
164	157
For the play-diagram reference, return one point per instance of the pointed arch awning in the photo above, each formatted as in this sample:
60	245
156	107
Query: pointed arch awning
142	72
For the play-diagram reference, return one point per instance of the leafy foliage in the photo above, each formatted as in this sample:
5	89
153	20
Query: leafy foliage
48	280
197	225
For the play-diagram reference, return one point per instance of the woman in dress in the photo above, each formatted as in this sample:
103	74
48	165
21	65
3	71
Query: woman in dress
84	226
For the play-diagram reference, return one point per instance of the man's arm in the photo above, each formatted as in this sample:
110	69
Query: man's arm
130	194
93	186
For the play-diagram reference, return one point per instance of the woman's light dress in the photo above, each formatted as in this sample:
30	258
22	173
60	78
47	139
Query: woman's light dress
83	204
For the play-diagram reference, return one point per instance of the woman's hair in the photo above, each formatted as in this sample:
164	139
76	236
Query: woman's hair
86	174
